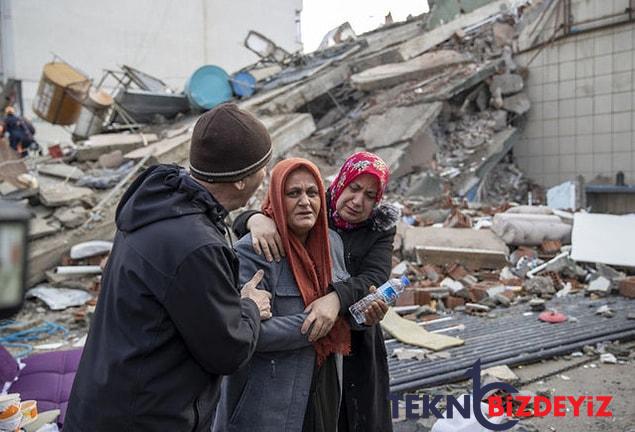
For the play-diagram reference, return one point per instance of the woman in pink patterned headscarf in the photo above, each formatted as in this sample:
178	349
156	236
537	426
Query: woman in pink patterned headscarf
357	190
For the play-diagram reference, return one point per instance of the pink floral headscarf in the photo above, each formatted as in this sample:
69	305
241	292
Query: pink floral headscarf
356	165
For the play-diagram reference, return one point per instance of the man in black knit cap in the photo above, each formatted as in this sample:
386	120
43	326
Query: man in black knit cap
171	318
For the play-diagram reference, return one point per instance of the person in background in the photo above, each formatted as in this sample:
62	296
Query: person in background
21	132
171	317
367	229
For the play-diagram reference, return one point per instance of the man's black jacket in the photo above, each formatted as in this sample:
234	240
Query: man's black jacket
169	320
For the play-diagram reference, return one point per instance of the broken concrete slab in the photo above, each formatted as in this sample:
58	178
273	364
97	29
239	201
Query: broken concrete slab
411	333
58	194
499	373
600	285
61	170
385	37
46	253
456	80
40	227
171	150
299	95
428	186
420	44
398	124
7	188
12	165
471	258
518	103
451	238
111	160
602	238
500	120
503	34
508	83
540	286
501	144
106	143
287	130
71	217
419	68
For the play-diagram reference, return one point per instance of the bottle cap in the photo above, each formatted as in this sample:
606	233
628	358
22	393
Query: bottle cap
405	281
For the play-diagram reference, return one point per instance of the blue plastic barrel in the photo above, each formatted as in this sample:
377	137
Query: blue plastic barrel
207	87
244	84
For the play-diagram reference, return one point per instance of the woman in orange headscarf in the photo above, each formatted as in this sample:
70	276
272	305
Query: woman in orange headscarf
291	383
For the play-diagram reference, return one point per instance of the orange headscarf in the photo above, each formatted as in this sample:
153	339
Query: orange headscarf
310	262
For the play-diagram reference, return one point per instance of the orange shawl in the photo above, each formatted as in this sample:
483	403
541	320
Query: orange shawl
310	262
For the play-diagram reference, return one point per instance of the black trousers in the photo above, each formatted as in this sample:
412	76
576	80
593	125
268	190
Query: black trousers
324	397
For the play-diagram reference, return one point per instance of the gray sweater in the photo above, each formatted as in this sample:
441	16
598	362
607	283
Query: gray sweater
270	393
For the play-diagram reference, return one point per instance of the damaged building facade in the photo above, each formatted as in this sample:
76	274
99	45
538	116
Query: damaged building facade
580	83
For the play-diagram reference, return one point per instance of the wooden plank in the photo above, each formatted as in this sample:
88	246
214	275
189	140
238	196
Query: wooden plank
471	258
411	333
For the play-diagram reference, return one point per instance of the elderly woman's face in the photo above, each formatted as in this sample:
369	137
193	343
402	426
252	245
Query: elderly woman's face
356	202
302	202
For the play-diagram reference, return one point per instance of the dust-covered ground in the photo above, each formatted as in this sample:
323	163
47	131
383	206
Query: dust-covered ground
570	376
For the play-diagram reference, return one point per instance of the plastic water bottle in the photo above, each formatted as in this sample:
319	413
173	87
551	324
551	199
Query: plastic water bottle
388	292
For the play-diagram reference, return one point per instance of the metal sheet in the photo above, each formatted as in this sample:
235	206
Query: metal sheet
513	339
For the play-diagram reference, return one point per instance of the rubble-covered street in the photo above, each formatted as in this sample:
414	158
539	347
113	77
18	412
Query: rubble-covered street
535	281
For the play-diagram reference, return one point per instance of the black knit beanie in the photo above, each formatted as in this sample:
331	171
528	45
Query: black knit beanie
228	144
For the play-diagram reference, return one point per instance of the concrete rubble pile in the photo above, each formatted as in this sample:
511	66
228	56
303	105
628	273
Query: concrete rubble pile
442	102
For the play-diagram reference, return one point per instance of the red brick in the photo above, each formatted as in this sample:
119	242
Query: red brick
453	301
477	293
422	297
627	287
407	298
457	271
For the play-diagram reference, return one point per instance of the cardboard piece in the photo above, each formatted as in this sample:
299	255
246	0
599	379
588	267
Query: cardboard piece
411	333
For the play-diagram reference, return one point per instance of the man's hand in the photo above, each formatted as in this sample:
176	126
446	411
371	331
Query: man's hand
375	311
322	315
265	238
262	298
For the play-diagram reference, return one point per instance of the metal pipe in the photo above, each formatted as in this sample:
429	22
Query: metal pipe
77	270
493	350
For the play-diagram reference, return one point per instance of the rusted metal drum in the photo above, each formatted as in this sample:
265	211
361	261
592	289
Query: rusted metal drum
60	93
